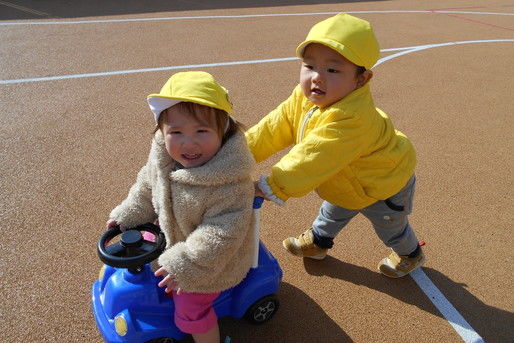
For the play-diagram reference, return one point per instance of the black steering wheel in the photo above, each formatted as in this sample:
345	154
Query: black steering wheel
132	251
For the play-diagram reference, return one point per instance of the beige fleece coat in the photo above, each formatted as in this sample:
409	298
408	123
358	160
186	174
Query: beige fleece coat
205	213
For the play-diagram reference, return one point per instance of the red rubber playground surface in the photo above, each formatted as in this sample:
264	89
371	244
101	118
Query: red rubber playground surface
75	129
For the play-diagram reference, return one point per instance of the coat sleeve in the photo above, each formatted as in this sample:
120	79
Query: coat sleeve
274	132
323	153
204	255
137	208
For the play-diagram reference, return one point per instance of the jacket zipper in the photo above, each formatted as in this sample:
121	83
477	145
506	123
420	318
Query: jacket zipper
307	116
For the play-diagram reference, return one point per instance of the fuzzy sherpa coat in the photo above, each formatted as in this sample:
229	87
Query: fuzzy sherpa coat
205	213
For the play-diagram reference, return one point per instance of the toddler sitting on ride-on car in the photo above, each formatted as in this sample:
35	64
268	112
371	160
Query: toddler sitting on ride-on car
197	183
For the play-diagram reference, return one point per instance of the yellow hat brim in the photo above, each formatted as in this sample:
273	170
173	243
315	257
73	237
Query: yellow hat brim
338	47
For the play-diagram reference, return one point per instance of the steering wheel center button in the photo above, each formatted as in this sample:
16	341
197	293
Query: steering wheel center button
131	238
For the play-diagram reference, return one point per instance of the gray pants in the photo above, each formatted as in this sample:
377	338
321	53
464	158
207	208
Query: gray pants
389	219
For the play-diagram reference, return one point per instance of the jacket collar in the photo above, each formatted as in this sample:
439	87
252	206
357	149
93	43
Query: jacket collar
358	95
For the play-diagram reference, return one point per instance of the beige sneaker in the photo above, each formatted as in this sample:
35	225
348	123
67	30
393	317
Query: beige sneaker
304	246
396	266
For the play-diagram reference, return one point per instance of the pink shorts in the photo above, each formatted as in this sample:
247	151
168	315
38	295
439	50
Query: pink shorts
194	312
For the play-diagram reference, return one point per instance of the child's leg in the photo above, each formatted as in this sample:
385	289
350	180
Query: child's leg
331	220
194	314
390	221
315	242
148	236
211	336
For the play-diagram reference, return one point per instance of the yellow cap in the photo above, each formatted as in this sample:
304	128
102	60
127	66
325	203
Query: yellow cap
350	36
191	86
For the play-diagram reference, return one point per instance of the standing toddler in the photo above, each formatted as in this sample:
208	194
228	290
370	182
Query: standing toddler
343	147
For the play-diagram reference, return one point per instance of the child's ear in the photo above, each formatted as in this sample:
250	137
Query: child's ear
363	78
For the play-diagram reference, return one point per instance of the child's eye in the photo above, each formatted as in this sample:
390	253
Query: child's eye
330	70
174	132
308	66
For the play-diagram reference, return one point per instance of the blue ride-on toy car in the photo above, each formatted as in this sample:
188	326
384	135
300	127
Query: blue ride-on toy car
129	307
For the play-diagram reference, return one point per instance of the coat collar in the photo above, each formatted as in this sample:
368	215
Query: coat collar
232	162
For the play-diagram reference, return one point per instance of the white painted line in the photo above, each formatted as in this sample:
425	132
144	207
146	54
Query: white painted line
24	9
466	332
97	21
470	12
430	46
145	70
398	49
404	51
390	57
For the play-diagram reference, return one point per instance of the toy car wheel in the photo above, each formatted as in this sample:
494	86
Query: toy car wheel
262	310
162	340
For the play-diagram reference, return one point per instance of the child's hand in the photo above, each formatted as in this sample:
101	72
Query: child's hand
168	281
258	191
112	223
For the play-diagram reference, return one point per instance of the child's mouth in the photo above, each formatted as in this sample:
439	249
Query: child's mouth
191	156
317	91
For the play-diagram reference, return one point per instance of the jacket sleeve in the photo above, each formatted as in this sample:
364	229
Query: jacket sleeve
323	152
274	132
137	208
215	241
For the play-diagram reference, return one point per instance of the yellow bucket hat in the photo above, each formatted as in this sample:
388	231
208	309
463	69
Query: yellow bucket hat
350	36
191	86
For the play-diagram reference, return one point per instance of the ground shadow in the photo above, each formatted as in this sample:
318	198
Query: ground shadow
45	9
298	317
493	324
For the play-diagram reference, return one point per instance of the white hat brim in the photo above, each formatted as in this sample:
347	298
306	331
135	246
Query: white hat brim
159	104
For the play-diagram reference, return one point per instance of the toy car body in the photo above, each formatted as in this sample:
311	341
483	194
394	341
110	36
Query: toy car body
129	307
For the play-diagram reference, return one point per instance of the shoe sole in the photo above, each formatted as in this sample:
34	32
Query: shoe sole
317	257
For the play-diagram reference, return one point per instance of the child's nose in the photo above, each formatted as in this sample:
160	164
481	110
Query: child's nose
188	142
317	77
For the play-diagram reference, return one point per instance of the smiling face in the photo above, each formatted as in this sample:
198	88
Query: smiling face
326	76
189	140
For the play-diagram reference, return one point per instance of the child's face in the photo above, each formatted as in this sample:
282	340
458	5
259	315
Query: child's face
326	76
189	141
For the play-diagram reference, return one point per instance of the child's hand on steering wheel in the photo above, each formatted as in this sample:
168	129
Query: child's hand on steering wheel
168	281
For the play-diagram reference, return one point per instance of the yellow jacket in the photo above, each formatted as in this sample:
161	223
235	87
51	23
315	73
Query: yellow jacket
348	152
